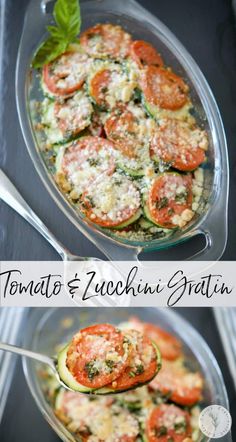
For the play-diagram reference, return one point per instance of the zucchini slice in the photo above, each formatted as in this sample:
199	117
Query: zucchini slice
64	122
130	221
157	113
147	214
132	172
65	375
181	181
109	84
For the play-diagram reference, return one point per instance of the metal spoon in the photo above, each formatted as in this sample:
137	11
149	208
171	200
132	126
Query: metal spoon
51	362
10	195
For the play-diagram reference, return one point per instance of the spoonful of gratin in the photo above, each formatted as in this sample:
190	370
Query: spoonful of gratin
102	359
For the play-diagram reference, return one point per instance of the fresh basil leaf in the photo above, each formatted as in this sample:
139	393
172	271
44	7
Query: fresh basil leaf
68	20
67	16
57	33
48	51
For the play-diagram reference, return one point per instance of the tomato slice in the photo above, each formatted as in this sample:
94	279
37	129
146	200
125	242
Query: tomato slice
106	40
144	53
122	129
112	201
179	144
183	386
99	86
66	74
74	114
169	346
107	85
170	200
87	160
143	364
163	88
97	355
168	422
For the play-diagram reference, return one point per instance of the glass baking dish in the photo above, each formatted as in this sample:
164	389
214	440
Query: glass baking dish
48	328
141	24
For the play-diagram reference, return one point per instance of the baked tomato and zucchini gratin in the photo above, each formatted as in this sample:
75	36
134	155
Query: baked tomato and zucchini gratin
104	359
118	127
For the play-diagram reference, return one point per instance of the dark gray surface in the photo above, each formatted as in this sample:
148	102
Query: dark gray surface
206	28
23	422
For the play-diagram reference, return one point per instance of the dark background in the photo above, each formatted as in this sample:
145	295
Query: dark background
207	29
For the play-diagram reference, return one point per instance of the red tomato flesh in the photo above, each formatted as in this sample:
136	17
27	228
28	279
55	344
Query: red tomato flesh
97	355
168	422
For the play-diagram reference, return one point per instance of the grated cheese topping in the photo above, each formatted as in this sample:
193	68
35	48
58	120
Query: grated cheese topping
114	198
88	165
105	47
99	419
70	68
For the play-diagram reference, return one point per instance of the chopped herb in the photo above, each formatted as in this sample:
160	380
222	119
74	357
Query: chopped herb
160	397
126	340
91	370
163	202
137	95
139	369
132	374
104	90
89	199
180	427
93	161
110	364
129	404
181	197
161	431
171	211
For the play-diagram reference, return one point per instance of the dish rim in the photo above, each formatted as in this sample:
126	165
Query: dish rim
219	191
172	317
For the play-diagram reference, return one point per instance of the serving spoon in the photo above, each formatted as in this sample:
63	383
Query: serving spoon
51	362
11	196
55	363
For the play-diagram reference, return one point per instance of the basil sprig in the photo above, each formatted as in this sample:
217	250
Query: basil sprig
67	26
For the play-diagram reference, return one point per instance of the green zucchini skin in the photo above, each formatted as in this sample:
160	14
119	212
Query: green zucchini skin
146	210
134	173
58	399
158	113
66	377
127	223
150	109
54	134
146	223
71	384
148	216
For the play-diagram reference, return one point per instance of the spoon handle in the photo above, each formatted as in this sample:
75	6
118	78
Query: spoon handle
29	354
10	195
